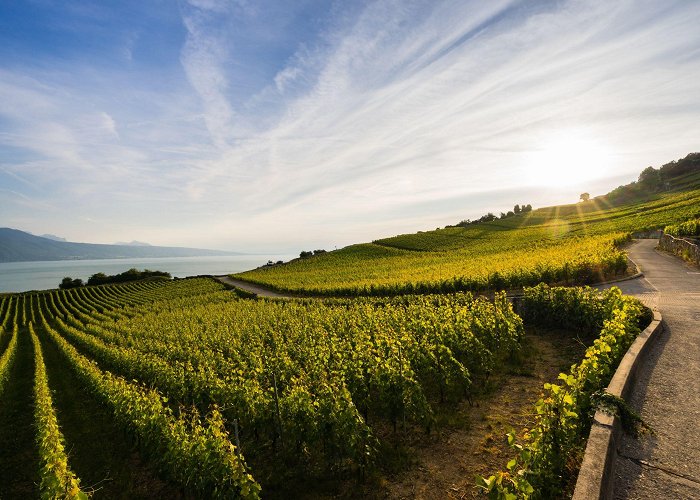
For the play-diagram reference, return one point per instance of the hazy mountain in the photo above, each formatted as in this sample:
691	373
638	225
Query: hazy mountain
53	237
133	244
18	246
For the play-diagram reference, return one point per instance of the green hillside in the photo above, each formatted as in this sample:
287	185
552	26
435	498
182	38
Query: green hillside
577	243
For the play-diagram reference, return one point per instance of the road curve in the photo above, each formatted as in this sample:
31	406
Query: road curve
667	392
250	287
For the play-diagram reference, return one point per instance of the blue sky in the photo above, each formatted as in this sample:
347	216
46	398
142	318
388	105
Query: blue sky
277	126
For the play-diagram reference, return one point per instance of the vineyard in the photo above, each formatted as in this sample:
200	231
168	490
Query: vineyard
218	392
570	244
688	228
546	462
183	389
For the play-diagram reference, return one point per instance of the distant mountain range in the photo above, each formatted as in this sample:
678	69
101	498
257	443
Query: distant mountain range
19	246
133	244
53	237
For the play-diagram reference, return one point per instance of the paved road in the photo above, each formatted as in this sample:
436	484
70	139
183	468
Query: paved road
667	392
250	287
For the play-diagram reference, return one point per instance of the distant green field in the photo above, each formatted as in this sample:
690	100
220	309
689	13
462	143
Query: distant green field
577	243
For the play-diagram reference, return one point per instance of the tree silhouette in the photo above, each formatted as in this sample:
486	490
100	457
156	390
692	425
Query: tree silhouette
650	178
585	196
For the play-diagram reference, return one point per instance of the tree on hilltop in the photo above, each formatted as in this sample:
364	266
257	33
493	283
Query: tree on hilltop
650	178
585	196
687	165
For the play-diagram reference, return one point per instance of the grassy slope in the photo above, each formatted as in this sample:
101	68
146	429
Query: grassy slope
523	249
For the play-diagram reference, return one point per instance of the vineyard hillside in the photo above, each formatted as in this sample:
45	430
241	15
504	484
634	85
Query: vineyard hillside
568	244
174	388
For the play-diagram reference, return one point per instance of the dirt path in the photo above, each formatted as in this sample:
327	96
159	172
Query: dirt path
250	287
470	442
667	392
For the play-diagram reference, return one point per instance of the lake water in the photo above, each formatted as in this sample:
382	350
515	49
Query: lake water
25	276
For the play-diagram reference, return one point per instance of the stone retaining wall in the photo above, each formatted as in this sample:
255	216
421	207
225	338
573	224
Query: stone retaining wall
596	479
682	247
653	234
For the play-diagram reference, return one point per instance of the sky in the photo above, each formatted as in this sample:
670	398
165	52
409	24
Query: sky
277	126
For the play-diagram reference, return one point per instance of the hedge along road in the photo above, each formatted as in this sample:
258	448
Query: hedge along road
667	391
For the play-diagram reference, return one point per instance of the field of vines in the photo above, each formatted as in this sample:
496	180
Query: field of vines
219	394
569	244
183	389
548	456
687	228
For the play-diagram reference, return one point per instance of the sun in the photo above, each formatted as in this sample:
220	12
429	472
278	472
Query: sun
568	158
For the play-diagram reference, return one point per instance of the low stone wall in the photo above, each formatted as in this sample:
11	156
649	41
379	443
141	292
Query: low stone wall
653	234
682	247
596	479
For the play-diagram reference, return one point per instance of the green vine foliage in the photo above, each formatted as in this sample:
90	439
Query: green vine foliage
547	459
304	380
57	480
7	359
688	228
196	454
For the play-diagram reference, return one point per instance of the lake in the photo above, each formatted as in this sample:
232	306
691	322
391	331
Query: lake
25	276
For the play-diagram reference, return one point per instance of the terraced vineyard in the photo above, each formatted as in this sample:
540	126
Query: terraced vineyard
227	397
219	393
568	244
184	389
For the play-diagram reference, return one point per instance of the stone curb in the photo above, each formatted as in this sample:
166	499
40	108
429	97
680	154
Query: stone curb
626	278
596	479
636	275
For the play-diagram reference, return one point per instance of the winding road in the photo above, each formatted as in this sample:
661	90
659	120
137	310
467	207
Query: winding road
667	393
251	287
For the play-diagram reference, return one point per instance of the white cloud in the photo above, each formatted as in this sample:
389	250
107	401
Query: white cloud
286	76
495	91
203	58
399	118
108	124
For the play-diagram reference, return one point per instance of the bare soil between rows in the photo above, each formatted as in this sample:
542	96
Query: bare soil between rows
468	441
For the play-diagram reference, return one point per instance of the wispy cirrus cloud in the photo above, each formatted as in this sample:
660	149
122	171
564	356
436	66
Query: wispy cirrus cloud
204	57
285	124
423	101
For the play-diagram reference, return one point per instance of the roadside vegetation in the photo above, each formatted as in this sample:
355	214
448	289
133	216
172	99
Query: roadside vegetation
689	228
549	455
